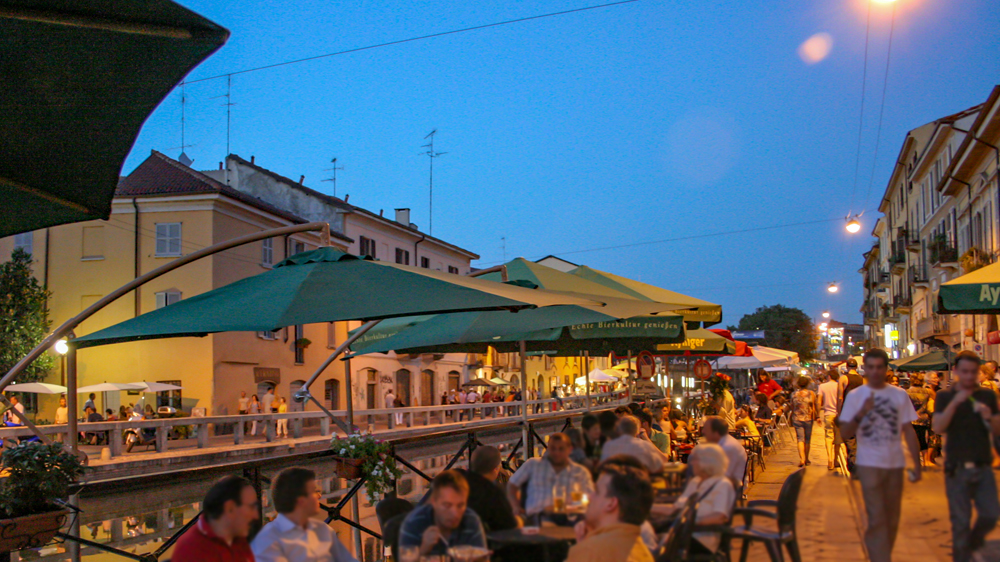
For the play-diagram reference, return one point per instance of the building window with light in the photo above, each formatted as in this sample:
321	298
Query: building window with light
167	298
168	239
25	241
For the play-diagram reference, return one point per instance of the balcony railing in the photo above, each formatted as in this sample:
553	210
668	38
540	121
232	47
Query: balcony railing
933	326
918	275
897	261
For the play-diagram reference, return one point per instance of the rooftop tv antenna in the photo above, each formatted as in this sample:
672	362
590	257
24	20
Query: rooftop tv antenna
229	106
334	178
183	158
431	155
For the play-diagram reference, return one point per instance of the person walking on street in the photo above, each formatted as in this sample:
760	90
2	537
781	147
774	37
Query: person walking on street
804	413
283	422
967	414
244	403
267	402
848	382
920	396
877	414
829	399
254	409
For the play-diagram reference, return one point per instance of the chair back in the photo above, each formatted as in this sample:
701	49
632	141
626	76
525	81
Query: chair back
390	533
788	500
675	545
391	507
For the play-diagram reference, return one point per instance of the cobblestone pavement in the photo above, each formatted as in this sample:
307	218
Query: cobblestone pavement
831	513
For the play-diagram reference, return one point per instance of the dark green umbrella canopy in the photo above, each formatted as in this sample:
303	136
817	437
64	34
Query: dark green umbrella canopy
977	292
933	360
326	285
79	80
624	323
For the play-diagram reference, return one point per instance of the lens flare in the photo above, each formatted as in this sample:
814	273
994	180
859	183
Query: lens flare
816	48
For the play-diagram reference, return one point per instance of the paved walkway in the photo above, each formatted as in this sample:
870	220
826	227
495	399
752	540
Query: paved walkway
831	512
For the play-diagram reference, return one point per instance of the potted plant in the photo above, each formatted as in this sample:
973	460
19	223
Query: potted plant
33	477
361	455
974	258
303	343
717	385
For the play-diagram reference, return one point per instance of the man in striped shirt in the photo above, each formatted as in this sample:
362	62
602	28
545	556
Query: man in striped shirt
542	475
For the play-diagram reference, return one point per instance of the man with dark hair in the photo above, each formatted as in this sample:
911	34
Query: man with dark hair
611	529
294	535
715	430
609	424
540	476
486	498
444	520
592	436
90	402
967	414
829	401
877	414
220	535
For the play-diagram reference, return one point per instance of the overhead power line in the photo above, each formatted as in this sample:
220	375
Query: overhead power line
410	40
881	111
861	115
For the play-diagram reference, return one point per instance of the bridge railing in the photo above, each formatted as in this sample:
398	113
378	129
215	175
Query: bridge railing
201	429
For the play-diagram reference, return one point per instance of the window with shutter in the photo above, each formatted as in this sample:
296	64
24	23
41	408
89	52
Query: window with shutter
167	298
267	252
168	239
25	241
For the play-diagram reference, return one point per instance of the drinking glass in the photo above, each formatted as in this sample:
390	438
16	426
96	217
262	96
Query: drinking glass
559	498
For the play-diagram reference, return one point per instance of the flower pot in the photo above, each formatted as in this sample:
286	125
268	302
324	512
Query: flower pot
349	469
30	531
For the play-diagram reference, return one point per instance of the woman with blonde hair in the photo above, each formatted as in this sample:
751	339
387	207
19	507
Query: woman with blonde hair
711	491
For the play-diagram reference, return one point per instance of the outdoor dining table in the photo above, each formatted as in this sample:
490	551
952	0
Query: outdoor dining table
547	539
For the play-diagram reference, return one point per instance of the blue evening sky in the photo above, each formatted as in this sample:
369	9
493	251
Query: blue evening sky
643	122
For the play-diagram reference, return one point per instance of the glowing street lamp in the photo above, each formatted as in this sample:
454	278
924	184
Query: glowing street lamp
833	288
61	347
853	226
826	314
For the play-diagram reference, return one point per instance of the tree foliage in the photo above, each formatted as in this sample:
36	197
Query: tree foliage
784	328
24	317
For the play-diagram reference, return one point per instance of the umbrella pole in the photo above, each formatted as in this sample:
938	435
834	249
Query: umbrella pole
586	375
524	400
350	395
71	399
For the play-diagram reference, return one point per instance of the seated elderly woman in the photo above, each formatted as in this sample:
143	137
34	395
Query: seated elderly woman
712	492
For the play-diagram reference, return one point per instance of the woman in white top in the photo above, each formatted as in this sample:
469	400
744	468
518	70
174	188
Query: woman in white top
713	493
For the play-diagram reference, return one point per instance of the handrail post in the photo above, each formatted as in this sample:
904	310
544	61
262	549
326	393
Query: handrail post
72	435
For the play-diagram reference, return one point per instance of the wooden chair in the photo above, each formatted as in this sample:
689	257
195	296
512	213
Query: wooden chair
675	545
783	511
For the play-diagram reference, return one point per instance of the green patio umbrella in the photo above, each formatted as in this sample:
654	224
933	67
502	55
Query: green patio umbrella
79	80
327	285
693	310
973	293
933	360
698	342
623	324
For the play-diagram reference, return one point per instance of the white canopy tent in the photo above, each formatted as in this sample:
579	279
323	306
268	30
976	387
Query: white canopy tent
596	375
762	357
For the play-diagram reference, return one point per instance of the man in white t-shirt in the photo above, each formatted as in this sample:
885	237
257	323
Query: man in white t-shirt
829	399
471	398
877	413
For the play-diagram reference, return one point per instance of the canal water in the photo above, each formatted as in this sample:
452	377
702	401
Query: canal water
138	516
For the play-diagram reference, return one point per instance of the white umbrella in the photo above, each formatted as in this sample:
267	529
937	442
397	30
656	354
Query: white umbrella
596	375
37	388
109	387
158	387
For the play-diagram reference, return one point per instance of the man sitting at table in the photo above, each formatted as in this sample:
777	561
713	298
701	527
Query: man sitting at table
486	498
444	521
659	438
540	477
635	443
716	431
610	531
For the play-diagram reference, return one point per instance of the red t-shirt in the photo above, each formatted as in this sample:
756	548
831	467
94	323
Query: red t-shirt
200	544
768	387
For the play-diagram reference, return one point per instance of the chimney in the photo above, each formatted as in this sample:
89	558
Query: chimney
251	158
301	179
346	197
381	212
220	165
403	216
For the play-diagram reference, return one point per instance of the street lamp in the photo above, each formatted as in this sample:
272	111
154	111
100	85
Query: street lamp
826	314
61	347
833	288
853	226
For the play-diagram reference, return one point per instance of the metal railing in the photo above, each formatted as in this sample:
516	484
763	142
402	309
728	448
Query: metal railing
201	430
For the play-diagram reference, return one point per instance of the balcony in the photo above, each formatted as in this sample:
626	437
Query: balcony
912	243
933	327
943	254
918	277
897	262
882	281
903	305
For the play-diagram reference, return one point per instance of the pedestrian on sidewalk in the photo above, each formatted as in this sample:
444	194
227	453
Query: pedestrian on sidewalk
804	413
967	414
921	398
829	399
254	409
283	422
877	413
850	381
